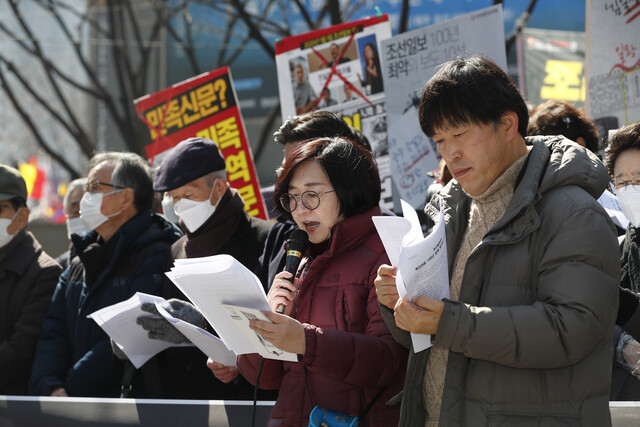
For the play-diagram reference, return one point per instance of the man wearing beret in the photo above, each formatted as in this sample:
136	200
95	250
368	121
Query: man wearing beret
28	277
213	218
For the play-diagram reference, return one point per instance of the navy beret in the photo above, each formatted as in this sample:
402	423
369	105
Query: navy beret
186	162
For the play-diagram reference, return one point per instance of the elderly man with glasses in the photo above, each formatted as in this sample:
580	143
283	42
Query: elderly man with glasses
126	252
28	277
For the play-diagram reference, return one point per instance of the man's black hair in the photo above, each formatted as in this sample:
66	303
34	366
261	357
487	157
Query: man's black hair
470	90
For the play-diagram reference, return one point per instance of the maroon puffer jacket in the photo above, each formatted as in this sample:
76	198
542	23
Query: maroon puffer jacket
350	354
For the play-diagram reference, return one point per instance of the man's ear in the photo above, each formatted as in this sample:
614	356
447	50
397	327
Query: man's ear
509	121
20	221
128	198
219	188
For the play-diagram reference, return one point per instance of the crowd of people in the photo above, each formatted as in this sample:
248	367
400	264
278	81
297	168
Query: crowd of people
541	326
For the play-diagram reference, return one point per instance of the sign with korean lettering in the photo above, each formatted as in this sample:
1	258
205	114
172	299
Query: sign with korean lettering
338	69
408	61
553	65
613	62
204	106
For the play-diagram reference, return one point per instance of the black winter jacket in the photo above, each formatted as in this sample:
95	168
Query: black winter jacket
73	351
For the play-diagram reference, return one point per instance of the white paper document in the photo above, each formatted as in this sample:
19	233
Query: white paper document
213	282
208	343
422	263
241	316
119	322
610	204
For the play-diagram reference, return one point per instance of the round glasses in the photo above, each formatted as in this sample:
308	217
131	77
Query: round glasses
310	200
619	183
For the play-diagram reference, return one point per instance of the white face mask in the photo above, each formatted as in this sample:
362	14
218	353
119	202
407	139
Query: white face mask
167	209
5	237
90	209
194	214
629	199
76	226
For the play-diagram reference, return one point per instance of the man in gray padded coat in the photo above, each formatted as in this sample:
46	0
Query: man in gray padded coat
526	335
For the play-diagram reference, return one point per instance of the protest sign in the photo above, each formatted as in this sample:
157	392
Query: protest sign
204	106
408	61
551	66
613	62
338	69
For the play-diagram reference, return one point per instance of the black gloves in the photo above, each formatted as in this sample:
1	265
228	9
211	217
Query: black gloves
160	329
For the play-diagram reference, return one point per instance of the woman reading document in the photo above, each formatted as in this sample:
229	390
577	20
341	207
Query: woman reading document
347	360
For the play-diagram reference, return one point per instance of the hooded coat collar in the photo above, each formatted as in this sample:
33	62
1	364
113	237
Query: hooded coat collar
553	162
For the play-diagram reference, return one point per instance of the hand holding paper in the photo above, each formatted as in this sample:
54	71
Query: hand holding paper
228	295
119	322
283	331
422	267
224	373
243	317
420	315
385	283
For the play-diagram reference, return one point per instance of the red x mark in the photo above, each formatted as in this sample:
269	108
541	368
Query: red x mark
635	15
337	73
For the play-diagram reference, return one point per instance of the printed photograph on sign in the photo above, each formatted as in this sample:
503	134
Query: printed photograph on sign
304	97
338	69
335	54
370	61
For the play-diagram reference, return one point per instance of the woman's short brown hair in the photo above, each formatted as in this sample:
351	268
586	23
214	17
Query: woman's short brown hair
626	138
350	167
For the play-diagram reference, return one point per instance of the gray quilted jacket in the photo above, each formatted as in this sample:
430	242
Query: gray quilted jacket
530	338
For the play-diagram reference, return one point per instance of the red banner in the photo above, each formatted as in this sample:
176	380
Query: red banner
204	106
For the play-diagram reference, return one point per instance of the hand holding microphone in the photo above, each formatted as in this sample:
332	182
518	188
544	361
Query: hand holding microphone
296	247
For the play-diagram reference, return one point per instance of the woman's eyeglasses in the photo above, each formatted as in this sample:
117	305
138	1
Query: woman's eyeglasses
619	183
310	200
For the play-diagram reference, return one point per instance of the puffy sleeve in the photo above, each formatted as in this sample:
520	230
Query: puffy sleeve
18	349
346	356
270	375
575	305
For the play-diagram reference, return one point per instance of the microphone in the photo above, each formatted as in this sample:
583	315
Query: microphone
296	246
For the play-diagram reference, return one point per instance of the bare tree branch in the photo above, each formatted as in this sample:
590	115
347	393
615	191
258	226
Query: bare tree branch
34	129
187	49
52	81
351	8
520	24
304	13
127	131
404	17
254	32
265	134
78	134
83	17
129	32
161	21
334	11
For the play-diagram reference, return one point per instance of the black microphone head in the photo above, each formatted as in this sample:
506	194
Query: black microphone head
298	240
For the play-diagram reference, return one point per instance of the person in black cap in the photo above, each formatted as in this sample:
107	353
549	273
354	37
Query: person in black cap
28	277
213	218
